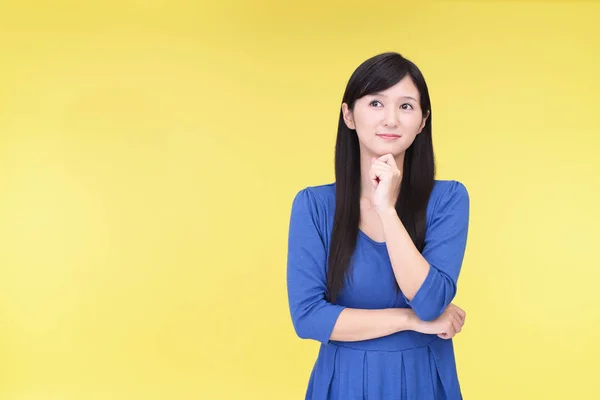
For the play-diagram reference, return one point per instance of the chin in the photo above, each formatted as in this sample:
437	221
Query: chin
393	150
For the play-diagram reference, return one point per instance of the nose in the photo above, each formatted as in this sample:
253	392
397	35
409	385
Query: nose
390	118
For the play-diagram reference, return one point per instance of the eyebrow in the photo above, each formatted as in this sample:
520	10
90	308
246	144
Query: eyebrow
401	97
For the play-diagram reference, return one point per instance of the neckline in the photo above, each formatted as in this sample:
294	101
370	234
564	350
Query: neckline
364	235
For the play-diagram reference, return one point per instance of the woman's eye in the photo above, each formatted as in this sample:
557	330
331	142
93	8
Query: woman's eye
405	106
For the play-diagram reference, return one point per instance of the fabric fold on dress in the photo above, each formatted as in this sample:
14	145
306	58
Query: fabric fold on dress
347	373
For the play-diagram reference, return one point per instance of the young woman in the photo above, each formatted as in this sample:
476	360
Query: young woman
374	258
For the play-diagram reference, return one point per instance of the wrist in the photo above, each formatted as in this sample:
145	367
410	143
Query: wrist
409	320
387	212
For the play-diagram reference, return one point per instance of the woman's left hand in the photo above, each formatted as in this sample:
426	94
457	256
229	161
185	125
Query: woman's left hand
385	177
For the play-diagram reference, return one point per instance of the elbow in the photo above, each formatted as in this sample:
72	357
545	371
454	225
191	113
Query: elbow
316	321
302	327
302	321
430	307
299	327
428	314
302	334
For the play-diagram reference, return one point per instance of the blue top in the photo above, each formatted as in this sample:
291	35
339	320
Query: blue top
406	364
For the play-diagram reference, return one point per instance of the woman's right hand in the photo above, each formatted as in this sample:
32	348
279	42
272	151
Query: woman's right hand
447	325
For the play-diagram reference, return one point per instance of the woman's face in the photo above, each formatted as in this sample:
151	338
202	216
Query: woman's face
394	111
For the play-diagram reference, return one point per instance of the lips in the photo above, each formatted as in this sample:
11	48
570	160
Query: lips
388	135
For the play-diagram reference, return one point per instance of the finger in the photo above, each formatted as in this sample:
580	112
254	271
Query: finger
456	324
379	168
381	164
446	336
460	321
458	309
450	329
383	169
388	159
373	178
460	315
449	332
380	172
387	167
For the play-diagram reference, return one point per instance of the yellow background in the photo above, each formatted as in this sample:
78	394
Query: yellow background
150	150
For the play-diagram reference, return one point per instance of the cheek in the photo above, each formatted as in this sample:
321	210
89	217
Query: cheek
366	120
413	123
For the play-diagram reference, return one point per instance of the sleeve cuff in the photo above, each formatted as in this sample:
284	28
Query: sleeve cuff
421	296
332	314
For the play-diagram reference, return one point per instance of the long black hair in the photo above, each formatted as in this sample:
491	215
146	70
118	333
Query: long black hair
374	75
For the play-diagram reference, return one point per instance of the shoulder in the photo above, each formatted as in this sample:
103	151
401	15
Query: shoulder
319	199
449	188
449	195
318	195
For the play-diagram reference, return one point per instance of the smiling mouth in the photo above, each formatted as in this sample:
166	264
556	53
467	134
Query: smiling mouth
388	136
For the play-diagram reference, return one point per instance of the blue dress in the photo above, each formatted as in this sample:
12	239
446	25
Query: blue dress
404	365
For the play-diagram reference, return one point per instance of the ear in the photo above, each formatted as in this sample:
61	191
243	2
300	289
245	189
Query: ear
423	122
348	117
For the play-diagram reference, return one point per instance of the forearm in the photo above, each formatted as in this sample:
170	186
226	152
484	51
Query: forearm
410	267
357	324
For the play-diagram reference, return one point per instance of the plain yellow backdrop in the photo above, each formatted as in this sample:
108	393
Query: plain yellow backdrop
150	151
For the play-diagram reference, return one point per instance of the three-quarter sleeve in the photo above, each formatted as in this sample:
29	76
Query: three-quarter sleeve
445	244
312	315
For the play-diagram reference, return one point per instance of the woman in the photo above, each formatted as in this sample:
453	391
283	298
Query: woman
374	258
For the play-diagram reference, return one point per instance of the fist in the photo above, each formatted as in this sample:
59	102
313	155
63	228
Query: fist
385	176
447	325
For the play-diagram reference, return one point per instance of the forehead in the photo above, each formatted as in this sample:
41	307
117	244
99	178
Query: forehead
403	89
